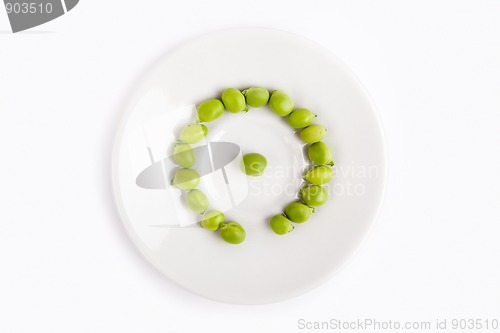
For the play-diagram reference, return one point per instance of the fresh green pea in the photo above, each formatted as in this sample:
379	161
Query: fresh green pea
314	195
197	201
186	179
184	155
281	103
319	175
281	225
256	96
193	133
298	212
313	133
233	100
210	110
232	232
212	220
301	118
253	164
320	154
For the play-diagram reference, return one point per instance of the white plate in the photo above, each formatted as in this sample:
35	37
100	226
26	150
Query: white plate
266	267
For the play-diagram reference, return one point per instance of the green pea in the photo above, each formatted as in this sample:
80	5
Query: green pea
186	179
301	118
193	133
233	100
197	201
253	164
256	96
314	195
313	133
320	154
319	175
212	220
281	225
184	155
232	232
298	212
281	103
210	110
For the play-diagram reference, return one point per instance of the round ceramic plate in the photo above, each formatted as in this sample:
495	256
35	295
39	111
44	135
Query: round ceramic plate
266	267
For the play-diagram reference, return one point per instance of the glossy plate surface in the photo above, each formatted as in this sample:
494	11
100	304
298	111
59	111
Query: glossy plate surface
266	267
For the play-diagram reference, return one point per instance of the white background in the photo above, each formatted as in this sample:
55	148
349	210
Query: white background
431	67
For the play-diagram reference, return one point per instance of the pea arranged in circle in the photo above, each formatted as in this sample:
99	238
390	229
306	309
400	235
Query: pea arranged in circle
314	195
210	110
256	96
254	164
193	133
186	179
298	212
184	155
281	103
212	220
320	154
313	133
233	100
281	225
301	118
197	201
232	232
319	175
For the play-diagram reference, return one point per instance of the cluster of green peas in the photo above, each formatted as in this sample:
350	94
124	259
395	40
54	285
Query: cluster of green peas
188	179
254	164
